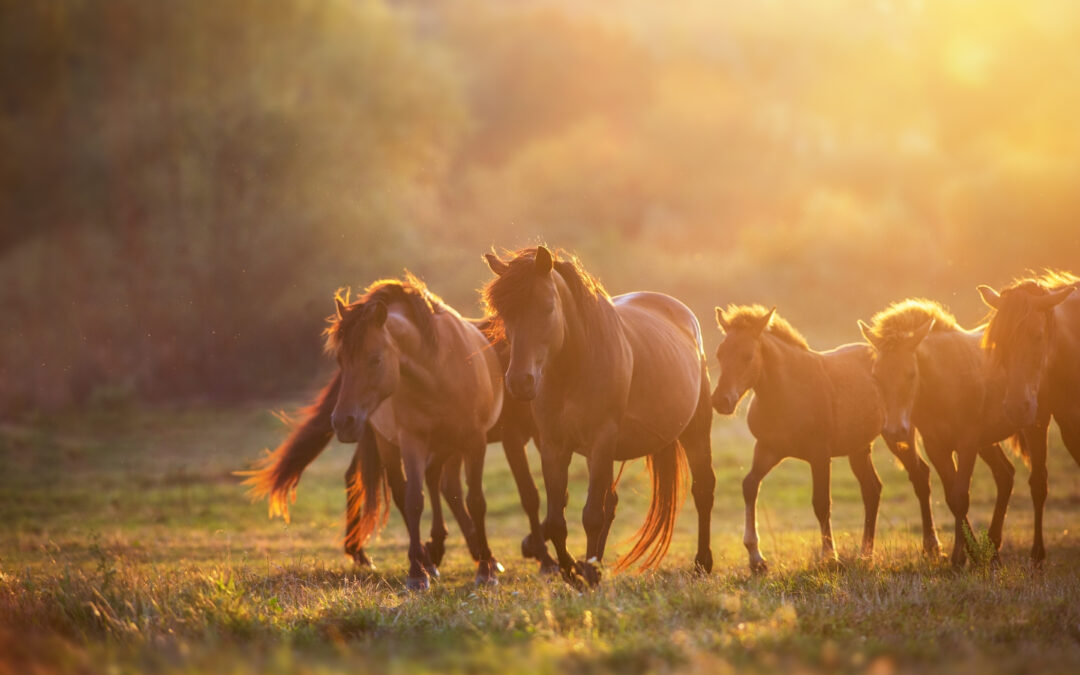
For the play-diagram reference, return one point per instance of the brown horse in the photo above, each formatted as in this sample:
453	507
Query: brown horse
427	384
612	379
1034	341
810	405
932	376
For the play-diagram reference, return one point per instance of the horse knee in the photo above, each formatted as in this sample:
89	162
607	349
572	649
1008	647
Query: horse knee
555	530
592	517
750	487
477	504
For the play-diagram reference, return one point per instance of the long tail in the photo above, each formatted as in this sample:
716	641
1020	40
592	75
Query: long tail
275	476
366	511
668	468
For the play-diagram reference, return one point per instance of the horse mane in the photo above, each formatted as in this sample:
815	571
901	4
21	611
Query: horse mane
1013	309
511	292
898	321
750	316
422	304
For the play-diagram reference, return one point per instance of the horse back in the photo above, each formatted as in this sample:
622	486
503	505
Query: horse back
1064	361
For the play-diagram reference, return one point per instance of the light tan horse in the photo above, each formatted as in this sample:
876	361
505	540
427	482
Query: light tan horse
933	376
1034	341
809	405
611	378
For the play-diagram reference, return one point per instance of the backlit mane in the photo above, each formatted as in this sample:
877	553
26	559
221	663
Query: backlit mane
896	323
511	291
749	316
1014	308
422	304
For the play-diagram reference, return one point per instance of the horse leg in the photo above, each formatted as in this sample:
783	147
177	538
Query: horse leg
611	504
1070	431
474	478
763	463
436	546
697	444
455	498
601	476
555	463
415	465
354	549
1034	438
533	545
1003	471
919	474
821	472
961	494
862	465
942	459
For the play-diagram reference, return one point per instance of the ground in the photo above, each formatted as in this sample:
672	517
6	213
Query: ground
127	545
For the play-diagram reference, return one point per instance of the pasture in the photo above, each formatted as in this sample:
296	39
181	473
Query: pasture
127	545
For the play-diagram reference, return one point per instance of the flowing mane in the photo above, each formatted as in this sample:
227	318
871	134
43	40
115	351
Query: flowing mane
422	304
898	321
747	316
512	291
1014	308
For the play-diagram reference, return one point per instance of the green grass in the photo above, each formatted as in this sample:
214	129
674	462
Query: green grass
127	546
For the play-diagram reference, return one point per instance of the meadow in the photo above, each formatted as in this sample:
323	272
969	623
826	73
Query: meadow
127	545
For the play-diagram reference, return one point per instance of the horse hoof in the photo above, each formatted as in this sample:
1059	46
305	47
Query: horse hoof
362	561
435	551
486	571
418	584
589	571
527	549
759	566
432	571
703	564
548	567
571	576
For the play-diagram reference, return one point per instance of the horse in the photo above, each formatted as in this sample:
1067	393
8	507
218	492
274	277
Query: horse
807	404
613	379
1033	340
933	377
426	384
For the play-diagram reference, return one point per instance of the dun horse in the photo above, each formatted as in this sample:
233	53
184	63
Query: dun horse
612	379
933	377
810	405
426	386
1033	339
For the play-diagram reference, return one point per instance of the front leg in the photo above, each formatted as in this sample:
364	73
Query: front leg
601	459
413	454
1034	440
961	496
486	566
862	466
533	545
821	471
436	546
764	461
919	474
555	462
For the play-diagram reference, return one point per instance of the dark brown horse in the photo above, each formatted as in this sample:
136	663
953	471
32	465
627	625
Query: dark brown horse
933	377
612	379
810	405
1034	341
426	383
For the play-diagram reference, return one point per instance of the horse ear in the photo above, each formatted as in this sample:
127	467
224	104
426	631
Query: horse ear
376	313
868	333
340	307
1053	300
544	261
496	264
990	297
920	333
766	321
721	321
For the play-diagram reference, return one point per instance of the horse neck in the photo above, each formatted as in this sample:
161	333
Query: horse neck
417	362
781	362
578	346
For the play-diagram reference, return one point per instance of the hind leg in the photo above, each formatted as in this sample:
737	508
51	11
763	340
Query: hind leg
436	545
862	465
533	545
601	459
763	463
919	474
474	478
697	444
1003	471
455	498
821	472
1034	439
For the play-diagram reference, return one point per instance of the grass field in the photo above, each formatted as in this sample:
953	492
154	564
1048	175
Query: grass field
127	545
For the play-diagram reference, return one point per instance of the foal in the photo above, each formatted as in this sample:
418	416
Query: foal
1033	339
810	405
933	377
613	379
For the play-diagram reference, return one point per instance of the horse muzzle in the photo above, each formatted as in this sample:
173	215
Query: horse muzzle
724	403
522	385
347	427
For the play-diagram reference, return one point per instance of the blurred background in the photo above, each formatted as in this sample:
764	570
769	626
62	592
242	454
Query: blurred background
184	185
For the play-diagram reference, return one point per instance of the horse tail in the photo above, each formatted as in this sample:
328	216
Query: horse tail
275	476
366	511
668	469
1019	447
